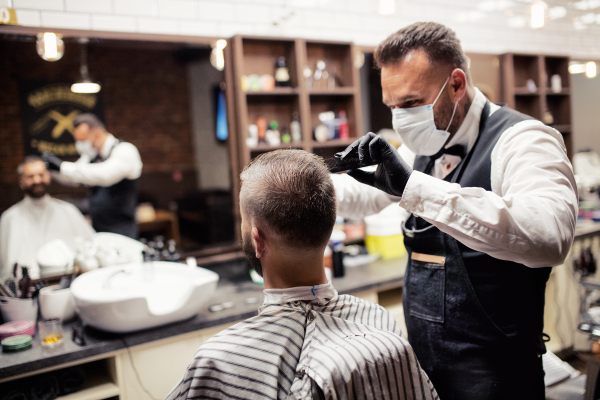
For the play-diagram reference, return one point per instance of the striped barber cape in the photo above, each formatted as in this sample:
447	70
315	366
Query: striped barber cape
308	343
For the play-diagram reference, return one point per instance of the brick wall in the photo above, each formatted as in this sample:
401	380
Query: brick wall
484	26
146	102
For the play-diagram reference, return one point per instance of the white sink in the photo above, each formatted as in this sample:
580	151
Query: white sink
130	297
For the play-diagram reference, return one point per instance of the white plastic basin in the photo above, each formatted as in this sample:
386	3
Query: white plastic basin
130	297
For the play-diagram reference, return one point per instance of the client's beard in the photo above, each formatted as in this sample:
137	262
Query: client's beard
250	254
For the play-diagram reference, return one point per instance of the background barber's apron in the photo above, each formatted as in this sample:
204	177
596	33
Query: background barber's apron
112	208
474	321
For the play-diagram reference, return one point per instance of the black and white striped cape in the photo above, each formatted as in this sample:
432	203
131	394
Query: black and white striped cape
346	348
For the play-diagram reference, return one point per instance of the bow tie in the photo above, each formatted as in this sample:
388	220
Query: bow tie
456	150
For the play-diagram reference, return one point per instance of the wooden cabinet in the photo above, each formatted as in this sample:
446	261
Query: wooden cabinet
527	87
340	91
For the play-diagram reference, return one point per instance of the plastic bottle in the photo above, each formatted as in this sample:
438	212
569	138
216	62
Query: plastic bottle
295	129
344	128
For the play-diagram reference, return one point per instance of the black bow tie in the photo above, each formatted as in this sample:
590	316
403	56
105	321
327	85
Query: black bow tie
456	150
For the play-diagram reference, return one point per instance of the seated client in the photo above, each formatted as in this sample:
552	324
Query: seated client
307	340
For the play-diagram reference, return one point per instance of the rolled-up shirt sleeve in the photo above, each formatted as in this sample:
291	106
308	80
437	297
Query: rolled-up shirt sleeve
124	162
528	217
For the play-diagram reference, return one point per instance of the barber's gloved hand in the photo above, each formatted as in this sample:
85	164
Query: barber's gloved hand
52	162
391	174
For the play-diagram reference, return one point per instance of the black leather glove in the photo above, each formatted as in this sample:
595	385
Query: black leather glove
391	174
52	162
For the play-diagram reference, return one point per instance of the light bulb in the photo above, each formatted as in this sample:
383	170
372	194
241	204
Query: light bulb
50	46
576	67
217	59
85	87
590	69
538	9
221	44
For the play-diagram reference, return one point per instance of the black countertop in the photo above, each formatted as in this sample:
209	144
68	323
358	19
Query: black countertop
234	286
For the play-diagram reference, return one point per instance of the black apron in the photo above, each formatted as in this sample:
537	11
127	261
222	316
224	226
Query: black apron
474	321
112	208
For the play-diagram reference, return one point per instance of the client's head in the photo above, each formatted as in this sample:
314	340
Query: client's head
34	178
288	209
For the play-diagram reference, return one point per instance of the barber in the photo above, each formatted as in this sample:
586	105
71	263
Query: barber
110	167
493	206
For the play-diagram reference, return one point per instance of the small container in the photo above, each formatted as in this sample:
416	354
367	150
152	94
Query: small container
16	343
51	332
57	303
14	309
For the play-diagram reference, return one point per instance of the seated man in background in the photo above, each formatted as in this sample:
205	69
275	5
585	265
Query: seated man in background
36	220
307	341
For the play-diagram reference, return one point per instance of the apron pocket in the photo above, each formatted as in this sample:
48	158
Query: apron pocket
426	288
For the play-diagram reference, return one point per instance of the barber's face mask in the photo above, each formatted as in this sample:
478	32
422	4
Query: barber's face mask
86	147
417	130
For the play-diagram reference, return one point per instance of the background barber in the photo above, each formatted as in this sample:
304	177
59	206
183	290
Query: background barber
493	203
111	168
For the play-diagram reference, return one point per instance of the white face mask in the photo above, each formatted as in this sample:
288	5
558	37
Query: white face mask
417	130
85	147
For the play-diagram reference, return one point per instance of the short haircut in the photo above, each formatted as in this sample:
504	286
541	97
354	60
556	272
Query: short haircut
292	193
437	41
90	120
28	160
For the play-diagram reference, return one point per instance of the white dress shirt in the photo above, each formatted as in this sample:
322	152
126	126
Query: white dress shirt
308	343
529	215
31	223
121	162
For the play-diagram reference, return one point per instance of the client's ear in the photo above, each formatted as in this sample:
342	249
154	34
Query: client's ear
258	241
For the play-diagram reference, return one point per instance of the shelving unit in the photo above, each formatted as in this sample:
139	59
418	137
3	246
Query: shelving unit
257	55
517	69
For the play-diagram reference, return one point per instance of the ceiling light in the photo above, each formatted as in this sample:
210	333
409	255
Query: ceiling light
557	12
387	7
50	46
538	9
576	67
590	69
589	18
221	44
584	5
85	84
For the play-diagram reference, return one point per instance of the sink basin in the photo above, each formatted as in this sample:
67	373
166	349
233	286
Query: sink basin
130	297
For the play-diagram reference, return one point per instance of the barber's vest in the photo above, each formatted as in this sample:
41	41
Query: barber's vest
112	208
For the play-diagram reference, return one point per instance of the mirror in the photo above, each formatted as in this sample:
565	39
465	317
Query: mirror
164	97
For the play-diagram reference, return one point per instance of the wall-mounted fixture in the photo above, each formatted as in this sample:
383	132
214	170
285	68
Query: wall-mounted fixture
50	46
217	59
589	68
85	83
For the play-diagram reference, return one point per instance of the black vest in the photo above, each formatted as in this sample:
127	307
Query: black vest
474	321
112	208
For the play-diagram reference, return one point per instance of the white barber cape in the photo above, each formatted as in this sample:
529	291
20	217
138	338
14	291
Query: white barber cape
28	225
308	343
529	215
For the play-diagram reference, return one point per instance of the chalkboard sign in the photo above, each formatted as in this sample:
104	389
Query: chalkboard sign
48	110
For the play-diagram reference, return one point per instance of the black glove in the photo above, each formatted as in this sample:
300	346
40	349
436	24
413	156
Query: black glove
52	162
391	174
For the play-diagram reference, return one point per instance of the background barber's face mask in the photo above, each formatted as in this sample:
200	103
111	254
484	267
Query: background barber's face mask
417	130
85	147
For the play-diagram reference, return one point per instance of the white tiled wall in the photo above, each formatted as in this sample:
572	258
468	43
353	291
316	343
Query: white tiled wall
353	20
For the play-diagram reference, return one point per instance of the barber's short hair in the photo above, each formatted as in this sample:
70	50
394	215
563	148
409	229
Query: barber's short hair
90	120
437	41
292	193
27	160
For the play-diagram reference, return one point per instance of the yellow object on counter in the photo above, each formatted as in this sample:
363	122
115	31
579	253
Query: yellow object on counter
386	246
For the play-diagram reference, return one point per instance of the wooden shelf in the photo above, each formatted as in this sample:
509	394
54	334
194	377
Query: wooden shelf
285	91
565	129
335	143
262	147
519	69
523	91
563	92
340	91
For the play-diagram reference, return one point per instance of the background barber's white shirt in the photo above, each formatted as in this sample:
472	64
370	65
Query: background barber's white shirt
529	215
123	162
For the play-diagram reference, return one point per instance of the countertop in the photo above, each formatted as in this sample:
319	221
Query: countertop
234	285
586	228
